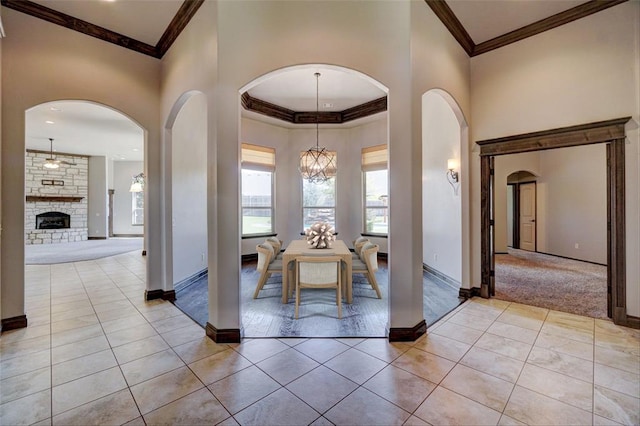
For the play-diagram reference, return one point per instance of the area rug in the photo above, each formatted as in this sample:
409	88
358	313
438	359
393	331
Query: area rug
552	282
42	254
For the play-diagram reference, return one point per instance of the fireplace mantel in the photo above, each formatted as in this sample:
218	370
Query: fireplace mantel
54	198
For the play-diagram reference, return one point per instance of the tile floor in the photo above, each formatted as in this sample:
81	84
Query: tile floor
96	353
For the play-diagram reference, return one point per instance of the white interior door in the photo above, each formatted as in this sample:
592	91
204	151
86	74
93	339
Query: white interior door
528	216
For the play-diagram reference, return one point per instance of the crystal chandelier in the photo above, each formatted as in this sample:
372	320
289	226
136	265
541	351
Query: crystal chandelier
317	164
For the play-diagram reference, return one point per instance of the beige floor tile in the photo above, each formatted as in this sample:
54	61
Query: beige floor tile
513	332
183	335
139	349
278	408
533	408
70	306
173	323
24	364
86	389
69	324
128	335
120	305
571	320
400	387
76	335
565	346
424	364
150	366
602	421
72	314
368	408
618	342
618	359
27	410
466	318
557	386
25	347
78	349
198	349
607	326
616	406
286	366
162	312
243	388
21	334
114	409
122	323
294	341
116	313
504	346
567	332
443	346
219	366
164	389
349	341
617	380
480	387
486	308
356	365
519	319
458	332
528	310
444	407
383	349
84	366
321	388
492	363
321	350
509	421
415	421
25	384
257	350
562	363
197	408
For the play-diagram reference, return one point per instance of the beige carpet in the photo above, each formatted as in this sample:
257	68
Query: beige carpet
552	282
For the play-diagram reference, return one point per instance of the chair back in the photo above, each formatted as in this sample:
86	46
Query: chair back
318	271
276	243
369	255
265	255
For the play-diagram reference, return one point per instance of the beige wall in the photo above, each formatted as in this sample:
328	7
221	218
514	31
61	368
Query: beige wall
581	72
44	62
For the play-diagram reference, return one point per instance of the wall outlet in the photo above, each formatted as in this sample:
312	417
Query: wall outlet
577	245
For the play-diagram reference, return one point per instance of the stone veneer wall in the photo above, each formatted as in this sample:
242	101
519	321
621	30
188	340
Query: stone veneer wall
76	179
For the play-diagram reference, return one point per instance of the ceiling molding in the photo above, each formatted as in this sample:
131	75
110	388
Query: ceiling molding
450	20
178	23
455	27
309	117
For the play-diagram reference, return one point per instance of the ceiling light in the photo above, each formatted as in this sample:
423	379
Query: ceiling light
54	109
137	183
317	164
327	105
135	150
50	122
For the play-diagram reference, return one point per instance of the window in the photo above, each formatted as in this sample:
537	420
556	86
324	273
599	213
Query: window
375	190
318	202
258	168
137	208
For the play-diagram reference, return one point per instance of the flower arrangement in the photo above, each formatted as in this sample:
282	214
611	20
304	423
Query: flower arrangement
320	235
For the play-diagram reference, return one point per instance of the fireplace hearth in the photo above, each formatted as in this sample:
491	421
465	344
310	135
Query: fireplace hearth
53	220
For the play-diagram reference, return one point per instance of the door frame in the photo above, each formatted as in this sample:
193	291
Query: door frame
610	132
517	212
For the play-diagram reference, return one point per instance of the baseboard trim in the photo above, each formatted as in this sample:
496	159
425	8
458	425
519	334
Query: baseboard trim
128	235
96	238
442	277
223	335
249	257
409	334
468	293
570	258
633	322
190	280
169	295
13	323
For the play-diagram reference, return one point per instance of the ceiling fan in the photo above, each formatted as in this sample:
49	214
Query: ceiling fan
51	162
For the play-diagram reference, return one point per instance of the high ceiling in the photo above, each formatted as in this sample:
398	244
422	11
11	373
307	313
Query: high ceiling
150	26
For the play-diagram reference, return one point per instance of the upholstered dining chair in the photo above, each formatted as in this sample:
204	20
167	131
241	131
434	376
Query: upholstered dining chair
277	246
267	265
357	245
319	272
367	264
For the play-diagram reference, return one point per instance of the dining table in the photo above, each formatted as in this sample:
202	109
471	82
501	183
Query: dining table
302	248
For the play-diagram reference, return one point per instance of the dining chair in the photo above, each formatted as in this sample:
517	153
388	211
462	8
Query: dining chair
277	246
357	245
367	264
267	265
319	272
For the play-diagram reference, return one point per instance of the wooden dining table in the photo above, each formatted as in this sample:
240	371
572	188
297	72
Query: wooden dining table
302	248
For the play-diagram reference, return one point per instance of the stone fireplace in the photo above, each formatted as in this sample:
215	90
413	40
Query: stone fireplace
56	209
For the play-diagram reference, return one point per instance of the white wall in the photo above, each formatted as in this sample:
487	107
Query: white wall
189	185
43	62
123	171
98	215
441	203
584	71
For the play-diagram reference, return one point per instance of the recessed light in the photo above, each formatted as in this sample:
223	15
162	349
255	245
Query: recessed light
327	105
50	122
135	150
54	109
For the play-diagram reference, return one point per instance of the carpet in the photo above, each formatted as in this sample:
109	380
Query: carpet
42	254
552	282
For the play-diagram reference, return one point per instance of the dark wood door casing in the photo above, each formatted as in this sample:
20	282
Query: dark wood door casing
611	132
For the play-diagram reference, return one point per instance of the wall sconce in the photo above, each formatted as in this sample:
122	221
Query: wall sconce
452	174
137	183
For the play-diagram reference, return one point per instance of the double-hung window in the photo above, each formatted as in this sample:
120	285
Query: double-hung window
319	201
137	208
375	190
258	169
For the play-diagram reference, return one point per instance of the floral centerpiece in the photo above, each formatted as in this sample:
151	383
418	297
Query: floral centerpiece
320	235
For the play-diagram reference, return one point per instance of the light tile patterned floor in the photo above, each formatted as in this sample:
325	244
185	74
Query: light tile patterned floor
96	353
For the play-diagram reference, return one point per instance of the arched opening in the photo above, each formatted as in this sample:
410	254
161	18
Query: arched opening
444	185
294	202
81	158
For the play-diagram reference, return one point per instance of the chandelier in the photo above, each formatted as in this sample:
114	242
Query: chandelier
137	183
317	164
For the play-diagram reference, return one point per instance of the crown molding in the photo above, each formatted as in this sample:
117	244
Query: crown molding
178	23
310	117
450	20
